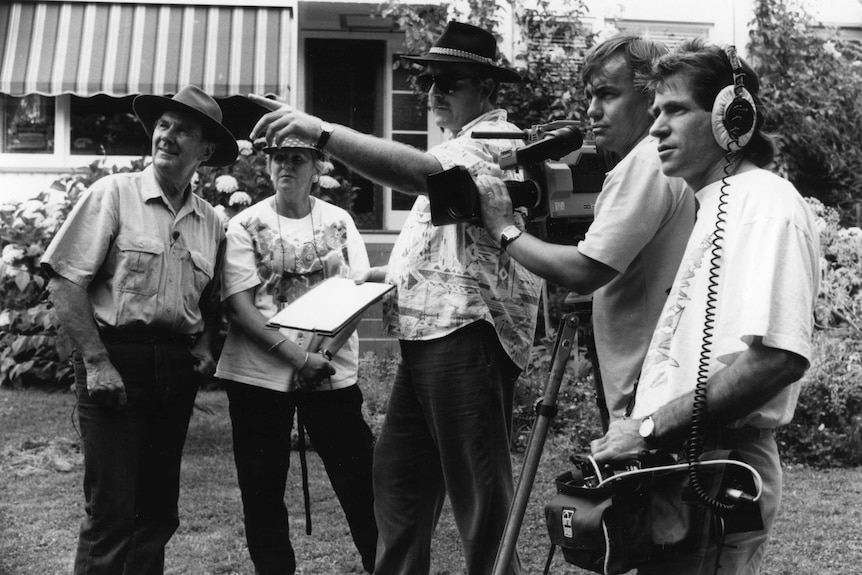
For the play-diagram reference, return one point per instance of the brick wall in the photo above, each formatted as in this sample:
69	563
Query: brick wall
371	336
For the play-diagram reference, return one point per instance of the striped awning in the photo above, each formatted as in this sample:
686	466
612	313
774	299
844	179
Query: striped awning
121	49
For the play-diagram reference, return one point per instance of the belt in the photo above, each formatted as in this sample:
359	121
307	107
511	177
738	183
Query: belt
113	335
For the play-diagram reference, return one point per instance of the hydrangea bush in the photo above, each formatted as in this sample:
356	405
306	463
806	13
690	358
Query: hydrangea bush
33	351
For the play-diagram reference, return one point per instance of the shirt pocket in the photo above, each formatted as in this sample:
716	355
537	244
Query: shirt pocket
199	272
141	263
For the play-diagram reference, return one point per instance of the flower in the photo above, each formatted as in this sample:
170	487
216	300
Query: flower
12	254
830	48
328	183
221	212
33	210
226	184
239	199
245	147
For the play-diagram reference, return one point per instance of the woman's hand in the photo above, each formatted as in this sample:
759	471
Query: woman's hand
312	372
375	274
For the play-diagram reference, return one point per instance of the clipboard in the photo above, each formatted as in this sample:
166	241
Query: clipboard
329	306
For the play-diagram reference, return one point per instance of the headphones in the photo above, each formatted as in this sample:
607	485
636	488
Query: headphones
734	114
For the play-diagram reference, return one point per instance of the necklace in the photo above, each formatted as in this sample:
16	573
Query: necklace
285	274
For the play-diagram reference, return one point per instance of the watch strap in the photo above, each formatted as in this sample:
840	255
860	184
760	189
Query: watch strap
509	235
325	132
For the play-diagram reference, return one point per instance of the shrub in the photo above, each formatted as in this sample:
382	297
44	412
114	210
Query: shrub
376	374
826	430
33	351
577	420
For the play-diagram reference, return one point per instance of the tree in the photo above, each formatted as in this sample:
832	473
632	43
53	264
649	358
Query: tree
812	82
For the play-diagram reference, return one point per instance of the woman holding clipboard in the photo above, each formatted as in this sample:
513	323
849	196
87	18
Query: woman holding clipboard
277	250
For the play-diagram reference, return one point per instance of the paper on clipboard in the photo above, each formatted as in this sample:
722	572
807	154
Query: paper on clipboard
329	306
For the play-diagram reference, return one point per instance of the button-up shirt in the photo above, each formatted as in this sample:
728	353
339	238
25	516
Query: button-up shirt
142	263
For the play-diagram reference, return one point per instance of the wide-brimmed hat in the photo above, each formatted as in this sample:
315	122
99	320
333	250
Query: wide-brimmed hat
467	44
292	142
194	101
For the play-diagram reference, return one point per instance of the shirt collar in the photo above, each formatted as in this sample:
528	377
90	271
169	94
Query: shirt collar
151	190
498	115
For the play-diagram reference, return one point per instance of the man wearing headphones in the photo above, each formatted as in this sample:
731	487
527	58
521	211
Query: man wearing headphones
735	331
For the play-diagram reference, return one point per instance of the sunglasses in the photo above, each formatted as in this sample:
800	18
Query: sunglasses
445	84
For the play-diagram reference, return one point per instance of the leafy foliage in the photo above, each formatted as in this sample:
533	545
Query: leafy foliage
826	430
812	80
32	348
553	43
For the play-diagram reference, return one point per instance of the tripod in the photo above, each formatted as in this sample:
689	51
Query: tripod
567	334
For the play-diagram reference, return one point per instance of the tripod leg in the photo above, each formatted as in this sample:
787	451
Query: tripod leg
545	412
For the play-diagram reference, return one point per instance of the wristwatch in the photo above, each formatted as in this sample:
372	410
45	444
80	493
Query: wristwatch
509	235
326	130
647	431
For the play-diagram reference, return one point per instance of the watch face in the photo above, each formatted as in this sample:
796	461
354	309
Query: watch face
647	427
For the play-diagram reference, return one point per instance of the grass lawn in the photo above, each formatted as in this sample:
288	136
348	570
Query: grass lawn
41	504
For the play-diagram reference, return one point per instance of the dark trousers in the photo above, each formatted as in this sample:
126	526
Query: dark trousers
132	459
447	432
262	420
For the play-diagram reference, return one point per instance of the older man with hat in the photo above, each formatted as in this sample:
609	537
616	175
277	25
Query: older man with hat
131	275
463	312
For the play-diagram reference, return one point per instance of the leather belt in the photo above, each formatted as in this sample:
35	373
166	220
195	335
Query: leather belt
146	335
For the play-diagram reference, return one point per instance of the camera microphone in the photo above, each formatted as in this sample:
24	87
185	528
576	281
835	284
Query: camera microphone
556	144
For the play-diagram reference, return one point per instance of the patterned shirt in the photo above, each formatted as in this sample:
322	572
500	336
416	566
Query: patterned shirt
448	277
280	259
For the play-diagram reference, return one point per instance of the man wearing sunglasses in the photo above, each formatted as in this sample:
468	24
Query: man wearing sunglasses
464	313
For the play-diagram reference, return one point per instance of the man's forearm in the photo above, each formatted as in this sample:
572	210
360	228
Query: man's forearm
561	264
389	163
755	377
73	309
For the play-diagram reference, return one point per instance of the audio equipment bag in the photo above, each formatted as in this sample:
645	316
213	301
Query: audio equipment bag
611	519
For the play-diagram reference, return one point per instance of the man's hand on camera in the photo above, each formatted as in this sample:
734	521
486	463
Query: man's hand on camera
622	437
104	384
496	205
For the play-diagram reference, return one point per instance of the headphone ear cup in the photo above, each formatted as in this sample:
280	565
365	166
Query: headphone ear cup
734	118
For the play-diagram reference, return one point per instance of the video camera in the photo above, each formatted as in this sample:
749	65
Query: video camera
562	178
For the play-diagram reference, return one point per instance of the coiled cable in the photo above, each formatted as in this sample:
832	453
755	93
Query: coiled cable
695	445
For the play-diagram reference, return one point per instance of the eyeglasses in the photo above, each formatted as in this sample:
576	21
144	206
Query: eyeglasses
445	84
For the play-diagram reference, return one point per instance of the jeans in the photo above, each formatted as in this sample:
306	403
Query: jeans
132	459
447	431
262	421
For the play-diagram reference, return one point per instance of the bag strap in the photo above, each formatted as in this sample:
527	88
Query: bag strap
758	481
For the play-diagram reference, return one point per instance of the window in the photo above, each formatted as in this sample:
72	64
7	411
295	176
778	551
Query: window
102	125
28	124
409	123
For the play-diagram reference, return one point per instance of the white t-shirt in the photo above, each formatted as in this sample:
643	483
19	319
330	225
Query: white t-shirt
767	287
255	258
643	220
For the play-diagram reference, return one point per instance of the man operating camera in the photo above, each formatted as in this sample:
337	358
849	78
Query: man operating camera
642	219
